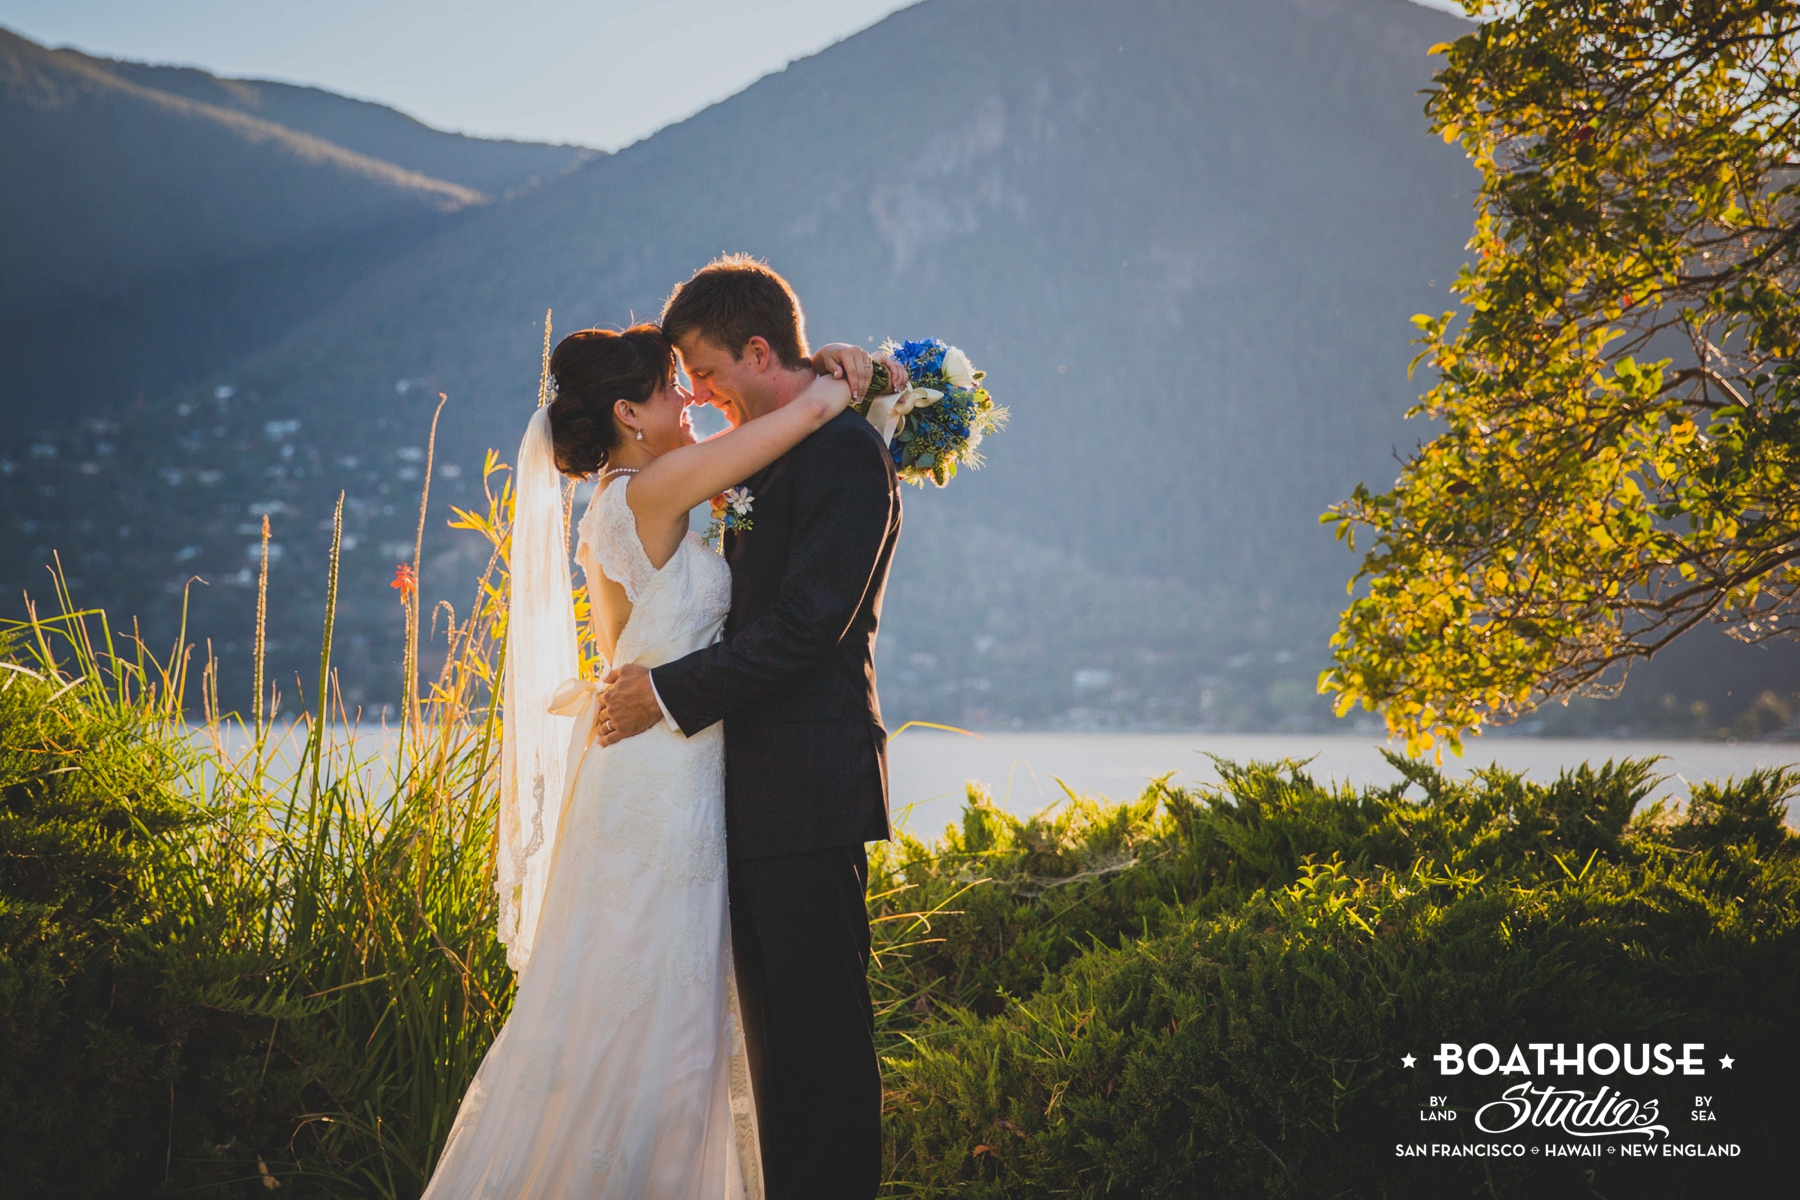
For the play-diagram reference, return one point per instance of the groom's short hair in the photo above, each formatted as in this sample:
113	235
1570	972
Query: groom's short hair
733	299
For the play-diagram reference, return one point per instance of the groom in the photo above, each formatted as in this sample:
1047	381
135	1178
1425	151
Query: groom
805	751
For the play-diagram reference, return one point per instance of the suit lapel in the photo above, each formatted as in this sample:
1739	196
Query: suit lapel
764	482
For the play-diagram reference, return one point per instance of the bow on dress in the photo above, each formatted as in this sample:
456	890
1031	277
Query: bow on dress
578	698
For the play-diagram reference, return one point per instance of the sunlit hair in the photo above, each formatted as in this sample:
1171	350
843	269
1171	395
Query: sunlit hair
733	299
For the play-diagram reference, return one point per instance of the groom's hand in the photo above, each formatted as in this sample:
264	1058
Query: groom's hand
628	705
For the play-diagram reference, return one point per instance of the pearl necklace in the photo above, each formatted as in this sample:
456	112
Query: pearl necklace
606	475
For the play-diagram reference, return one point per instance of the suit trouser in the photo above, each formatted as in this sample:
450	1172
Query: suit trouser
800	940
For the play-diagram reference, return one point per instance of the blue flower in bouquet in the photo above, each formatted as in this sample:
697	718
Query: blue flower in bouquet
938	422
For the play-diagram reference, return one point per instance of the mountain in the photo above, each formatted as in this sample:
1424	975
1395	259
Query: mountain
171	220
135	170
126	181
493	166
1183	236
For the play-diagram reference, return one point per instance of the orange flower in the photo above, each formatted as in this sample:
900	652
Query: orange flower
405	580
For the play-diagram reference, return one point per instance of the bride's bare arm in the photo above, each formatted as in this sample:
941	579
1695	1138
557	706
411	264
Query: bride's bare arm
672	485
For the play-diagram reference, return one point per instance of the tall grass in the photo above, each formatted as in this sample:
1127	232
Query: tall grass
314	917
339	912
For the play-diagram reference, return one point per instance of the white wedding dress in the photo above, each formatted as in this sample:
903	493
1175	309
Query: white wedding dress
620	1072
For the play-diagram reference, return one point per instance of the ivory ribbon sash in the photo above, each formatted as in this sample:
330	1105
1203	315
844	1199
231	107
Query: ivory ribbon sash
578	698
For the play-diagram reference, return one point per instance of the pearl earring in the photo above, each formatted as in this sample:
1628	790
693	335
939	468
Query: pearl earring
640	435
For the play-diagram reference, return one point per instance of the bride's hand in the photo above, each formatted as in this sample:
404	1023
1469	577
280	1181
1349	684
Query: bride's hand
840	360
898	377
830	395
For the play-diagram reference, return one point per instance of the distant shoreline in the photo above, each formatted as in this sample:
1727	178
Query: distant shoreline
927	768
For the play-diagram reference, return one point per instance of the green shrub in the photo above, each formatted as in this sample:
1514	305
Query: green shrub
86	796
1234	1026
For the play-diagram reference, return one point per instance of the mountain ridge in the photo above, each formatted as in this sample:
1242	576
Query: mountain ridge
1013	155
172	234
1184	239
499	166
303	144
128	181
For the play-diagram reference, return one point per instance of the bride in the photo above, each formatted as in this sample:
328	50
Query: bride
620	1071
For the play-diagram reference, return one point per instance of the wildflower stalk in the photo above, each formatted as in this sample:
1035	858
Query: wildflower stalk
316	736
262	628
410	599
174	680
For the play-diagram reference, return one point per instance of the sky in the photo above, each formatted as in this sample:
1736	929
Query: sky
603	73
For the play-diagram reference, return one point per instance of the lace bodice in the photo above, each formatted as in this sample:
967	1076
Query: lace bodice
675	610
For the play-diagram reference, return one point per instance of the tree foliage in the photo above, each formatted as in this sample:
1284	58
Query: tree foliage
1619	455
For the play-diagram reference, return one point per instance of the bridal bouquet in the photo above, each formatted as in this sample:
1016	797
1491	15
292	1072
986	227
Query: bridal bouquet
937	423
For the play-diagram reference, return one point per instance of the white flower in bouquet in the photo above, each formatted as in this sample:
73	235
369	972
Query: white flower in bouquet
958	369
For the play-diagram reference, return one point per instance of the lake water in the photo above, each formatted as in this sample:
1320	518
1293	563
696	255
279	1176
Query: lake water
928	768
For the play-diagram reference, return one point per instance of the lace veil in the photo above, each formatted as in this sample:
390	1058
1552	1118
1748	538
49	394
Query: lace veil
540	654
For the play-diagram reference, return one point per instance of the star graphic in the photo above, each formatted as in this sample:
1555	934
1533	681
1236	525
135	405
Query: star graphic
1726	1062
1408	1061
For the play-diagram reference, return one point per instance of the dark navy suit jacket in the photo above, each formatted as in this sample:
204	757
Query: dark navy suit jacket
794	676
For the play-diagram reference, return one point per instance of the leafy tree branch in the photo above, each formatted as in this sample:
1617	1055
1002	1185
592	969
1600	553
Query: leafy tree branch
1618	398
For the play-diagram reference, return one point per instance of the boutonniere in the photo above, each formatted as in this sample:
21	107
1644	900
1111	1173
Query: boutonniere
730	514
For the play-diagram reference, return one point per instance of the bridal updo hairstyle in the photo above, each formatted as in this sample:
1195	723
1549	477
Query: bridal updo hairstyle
592	371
